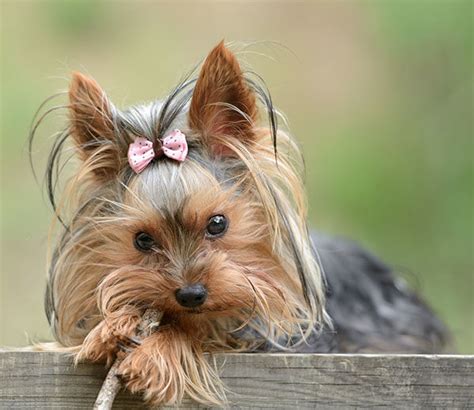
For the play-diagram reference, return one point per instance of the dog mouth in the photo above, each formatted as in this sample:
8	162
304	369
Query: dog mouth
195	312
173	318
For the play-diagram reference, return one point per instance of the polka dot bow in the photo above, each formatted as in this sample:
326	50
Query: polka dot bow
141	151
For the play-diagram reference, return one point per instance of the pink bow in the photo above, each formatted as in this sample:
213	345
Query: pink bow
141	152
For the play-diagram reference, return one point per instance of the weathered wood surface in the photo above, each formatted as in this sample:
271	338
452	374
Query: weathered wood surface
50	380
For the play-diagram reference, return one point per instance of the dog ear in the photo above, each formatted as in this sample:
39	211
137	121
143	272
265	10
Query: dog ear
222	105
92	127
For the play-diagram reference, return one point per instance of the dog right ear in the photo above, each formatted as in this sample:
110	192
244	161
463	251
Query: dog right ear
223	106
93	129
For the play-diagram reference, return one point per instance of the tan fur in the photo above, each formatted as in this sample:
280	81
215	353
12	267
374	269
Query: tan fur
222	103
102	284
92	125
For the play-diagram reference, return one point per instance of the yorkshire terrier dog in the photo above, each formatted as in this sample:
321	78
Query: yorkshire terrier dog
192	206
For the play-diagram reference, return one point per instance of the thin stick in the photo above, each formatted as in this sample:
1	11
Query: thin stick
109	389
112	384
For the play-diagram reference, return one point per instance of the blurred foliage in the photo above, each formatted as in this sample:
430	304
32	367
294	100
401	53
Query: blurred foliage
379	93
74	18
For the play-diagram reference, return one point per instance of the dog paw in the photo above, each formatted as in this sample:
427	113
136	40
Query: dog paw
150	369
108	338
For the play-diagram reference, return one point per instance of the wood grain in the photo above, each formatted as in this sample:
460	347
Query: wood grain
50	380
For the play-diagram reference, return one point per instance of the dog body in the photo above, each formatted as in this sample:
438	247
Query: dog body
205	223
372	310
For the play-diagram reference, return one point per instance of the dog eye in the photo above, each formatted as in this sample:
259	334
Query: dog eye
216	226
144	242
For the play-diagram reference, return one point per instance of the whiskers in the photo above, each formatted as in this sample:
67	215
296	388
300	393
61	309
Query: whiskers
128	242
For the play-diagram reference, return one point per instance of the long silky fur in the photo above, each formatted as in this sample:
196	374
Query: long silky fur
91	274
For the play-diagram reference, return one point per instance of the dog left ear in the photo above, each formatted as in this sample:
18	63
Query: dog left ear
223	105
92	127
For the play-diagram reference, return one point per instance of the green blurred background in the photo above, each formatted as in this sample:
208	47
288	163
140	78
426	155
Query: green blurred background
378	92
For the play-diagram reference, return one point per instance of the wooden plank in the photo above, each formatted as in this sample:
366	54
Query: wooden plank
50	380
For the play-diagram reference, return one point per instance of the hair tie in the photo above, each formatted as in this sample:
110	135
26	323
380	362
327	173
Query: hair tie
141	152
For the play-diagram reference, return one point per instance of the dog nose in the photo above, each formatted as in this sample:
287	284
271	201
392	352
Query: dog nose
192	296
